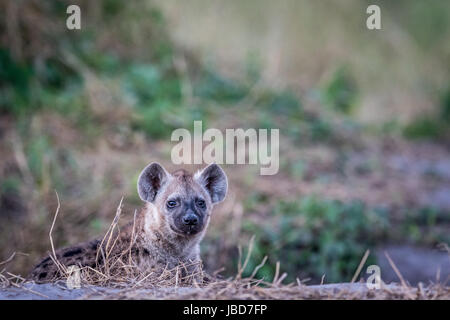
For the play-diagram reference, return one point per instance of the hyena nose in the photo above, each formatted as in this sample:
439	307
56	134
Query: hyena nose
190	219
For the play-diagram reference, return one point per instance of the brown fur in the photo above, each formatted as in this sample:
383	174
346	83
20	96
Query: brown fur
156	243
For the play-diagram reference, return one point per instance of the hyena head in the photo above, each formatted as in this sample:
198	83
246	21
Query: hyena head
183	202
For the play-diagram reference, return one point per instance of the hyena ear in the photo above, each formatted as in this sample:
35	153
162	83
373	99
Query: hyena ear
150	181
214	180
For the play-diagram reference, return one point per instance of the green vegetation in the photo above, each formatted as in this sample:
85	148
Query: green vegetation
314	237
341	91
432	126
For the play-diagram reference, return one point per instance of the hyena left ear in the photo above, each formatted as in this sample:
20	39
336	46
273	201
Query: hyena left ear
150	181
214	180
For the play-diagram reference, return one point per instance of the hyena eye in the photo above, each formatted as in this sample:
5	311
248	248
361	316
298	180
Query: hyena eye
201	203
171	203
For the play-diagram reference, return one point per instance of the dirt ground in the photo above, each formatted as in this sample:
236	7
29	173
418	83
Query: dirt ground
416	264
58	291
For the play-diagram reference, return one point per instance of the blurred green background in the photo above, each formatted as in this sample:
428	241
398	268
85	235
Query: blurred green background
364	119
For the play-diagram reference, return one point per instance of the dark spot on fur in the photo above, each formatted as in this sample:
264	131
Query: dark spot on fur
72	252
146	252
43	262
94	245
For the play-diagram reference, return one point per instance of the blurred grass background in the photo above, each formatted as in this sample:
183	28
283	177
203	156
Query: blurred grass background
364	119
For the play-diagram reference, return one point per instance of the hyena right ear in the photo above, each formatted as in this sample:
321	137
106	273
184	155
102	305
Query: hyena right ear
150	181
214	180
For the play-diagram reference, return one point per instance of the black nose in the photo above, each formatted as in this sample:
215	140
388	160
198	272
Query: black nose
190	219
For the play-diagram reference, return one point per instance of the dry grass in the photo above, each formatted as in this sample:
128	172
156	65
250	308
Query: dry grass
245	290
6	278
